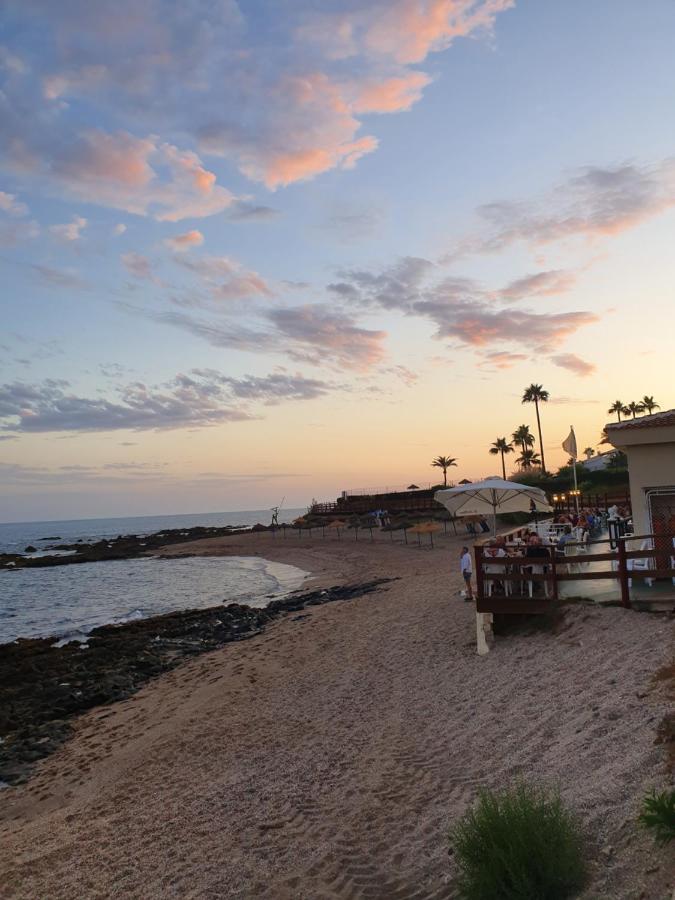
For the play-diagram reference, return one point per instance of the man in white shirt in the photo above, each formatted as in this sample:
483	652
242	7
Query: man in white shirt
466	569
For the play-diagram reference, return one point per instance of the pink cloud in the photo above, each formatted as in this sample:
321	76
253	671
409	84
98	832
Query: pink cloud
286	168
574	363
141	176
502	359
185	241
225	278
408	30
391	94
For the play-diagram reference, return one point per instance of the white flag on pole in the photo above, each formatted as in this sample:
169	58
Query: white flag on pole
570	444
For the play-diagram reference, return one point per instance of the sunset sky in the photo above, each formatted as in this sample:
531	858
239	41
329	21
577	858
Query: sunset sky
289	248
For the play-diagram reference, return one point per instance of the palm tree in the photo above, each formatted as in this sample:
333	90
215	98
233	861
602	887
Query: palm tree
634	408
444	462
589	452
523	436
649	405
536	394
501	445
617	407
528	458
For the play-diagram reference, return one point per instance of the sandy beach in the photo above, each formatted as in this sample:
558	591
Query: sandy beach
327	757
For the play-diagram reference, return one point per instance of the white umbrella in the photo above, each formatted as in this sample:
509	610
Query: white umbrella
492	497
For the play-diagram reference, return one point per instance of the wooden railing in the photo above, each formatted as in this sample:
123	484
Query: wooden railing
662	551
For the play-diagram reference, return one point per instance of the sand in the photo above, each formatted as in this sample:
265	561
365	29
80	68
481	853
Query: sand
328	756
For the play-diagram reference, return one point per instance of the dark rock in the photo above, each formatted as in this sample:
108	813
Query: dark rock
30	549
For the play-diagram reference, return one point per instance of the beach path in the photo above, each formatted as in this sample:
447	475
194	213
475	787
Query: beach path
327	757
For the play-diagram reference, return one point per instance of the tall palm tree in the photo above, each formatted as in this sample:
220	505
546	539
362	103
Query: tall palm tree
501	445
444	462
523	437
528	458
649	405
589	452
536	394
617	407
634	408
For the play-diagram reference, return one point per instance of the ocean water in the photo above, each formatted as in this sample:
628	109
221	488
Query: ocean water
68	601
16	536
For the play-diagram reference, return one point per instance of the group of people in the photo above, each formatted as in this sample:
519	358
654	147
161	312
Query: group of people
533	548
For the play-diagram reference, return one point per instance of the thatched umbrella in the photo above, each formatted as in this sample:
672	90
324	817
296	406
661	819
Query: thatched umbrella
412	487
337	524
429	528
402	523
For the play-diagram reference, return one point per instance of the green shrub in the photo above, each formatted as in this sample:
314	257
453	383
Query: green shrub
658	814
519	844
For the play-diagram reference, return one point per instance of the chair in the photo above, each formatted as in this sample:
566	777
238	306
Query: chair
496	569
646	562
537	570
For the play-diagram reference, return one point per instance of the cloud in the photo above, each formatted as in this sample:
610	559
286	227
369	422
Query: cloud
316	334
185	241
200	398
399	31
119	229
10	205
70	232
574	363
183	402
243	211
139	266
540	284
463	309
594	202
277	103
320	333
275	388
225	278
139	175
502	359
64	278
14	232
15	228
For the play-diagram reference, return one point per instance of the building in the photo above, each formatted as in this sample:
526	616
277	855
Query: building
599	462
649	443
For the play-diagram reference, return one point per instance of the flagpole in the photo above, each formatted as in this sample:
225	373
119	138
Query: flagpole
576	490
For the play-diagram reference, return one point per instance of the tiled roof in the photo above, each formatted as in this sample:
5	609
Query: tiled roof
656	420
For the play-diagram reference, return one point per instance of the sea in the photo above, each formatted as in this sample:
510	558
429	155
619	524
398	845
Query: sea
66	602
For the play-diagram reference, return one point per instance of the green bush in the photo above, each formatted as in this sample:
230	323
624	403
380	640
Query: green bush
519	844
658	814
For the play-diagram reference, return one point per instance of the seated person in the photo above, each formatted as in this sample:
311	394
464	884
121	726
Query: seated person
471	528
536	549
565	538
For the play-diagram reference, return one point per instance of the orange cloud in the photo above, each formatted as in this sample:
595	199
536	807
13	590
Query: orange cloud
140	176
408	30
286	168
391	94
185	241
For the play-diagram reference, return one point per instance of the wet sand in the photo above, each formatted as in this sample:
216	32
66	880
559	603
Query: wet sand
328	756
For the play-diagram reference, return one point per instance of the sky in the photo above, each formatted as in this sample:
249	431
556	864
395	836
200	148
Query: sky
283	249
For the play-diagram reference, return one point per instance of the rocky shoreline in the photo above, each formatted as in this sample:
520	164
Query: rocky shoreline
128	546
43	686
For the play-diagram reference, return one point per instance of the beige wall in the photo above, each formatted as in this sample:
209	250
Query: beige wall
649	466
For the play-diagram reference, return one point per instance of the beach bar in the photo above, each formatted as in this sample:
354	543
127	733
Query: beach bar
649	444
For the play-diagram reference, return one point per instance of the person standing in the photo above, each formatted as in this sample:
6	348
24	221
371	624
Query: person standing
466	569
